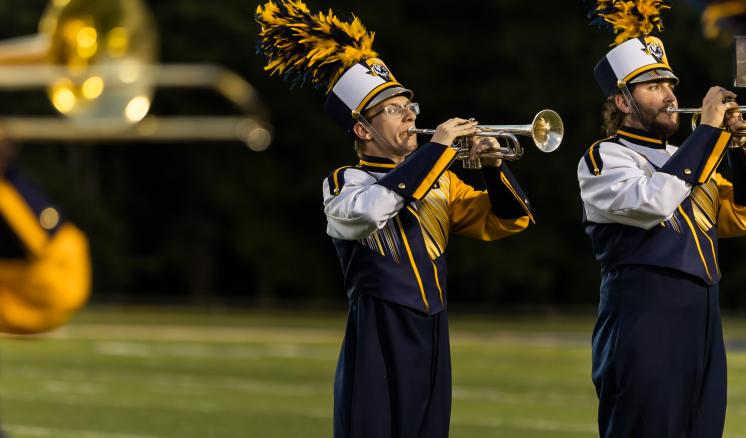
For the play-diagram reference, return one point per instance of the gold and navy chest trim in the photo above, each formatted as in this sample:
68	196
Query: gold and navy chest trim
385	241
432	214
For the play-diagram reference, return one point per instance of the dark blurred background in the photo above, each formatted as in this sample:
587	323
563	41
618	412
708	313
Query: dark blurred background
215	224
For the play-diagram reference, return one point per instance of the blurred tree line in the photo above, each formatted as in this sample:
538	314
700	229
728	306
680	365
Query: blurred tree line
217	224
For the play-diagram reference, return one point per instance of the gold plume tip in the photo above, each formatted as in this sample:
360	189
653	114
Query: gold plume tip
310	47
631	18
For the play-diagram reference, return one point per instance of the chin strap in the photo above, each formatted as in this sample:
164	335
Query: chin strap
373	131
632	104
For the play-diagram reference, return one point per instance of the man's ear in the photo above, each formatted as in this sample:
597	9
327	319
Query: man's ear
360	132
622	104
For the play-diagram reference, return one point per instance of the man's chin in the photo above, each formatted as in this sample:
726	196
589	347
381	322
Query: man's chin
665	128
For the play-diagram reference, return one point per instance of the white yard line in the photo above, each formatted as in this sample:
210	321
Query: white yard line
146	349
237	334
185	405
36	431
195	334
169	381
521	397
529	424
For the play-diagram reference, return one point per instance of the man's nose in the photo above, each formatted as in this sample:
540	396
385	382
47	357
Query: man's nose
669	97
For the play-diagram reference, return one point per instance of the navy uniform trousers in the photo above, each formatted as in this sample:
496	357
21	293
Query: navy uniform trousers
658	356
393	377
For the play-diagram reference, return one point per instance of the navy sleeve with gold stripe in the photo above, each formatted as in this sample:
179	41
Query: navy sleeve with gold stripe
737	163
11	245
414	177
28	217
593	159
699	156
506	196
336	180
33	196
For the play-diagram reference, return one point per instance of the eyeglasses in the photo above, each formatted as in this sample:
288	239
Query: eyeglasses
398	110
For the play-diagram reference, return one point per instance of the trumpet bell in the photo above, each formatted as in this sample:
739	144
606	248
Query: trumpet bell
547	130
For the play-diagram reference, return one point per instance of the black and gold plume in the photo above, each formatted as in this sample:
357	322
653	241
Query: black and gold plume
630	18
307	47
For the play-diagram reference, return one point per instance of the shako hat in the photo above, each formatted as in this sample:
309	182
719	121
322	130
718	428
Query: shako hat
638	56
329	53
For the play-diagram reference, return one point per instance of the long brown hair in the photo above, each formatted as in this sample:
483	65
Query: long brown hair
612	116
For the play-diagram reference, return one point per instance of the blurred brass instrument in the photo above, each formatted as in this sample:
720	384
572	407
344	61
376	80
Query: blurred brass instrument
546	130
697	112
98	62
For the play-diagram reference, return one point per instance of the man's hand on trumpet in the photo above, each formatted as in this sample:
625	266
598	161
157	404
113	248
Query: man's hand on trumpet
734	122
715	104
447	131
720	110
481	145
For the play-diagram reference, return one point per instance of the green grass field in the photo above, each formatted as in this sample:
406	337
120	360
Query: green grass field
173	374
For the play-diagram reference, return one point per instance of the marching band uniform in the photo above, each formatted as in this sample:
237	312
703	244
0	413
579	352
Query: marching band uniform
654	228
654	213
45	272
389	224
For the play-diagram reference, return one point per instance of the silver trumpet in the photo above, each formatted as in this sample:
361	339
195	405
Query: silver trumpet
546	130
697	112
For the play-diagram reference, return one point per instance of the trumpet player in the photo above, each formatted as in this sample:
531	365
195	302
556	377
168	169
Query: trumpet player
654	213
389	217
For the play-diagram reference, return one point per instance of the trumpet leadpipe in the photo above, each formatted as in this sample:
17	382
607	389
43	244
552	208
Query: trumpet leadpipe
413	131
672	110
482	131
697	112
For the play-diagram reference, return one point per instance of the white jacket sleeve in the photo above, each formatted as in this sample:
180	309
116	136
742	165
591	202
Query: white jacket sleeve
360	208
628	190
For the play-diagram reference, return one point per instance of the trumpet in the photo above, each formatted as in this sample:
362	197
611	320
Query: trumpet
697	112
546	131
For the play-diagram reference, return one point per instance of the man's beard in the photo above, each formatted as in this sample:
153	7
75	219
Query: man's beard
648	118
